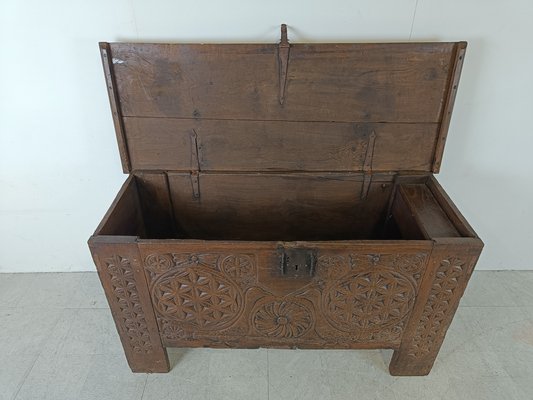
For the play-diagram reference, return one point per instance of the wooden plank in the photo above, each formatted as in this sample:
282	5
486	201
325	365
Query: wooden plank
158	144
166	144
124	216
279	206
455	74
156	205
405	221
432	220
325	82
450	208
114	101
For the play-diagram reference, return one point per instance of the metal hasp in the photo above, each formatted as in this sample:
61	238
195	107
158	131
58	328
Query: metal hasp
297	262
283	57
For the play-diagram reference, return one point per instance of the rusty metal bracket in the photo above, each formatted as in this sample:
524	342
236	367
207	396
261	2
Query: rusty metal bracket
195	183
367	165
283	57
195	165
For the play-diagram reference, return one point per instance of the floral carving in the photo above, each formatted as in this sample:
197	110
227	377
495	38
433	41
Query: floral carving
363	297
195	260
199	297
282	319
332	266
410	264
438	307
239	266
172	331
131	313
368	300
158	263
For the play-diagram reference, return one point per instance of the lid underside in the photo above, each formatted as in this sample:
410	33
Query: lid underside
266	107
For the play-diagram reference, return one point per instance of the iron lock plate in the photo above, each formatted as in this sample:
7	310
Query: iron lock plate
297	262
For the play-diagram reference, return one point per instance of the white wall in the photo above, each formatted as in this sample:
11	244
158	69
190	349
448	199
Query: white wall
59	165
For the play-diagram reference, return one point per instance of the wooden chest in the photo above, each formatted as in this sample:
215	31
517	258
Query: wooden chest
282	195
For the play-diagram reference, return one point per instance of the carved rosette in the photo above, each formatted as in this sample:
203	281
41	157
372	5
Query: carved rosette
438	306
239	267
131	313
282	319
159	263
198	292
198	297
368	296
171	330
368	300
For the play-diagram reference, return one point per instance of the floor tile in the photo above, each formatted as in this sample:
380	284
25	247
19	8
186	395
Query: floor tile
89	292
238	374
12	288
237	387
172	387
109	377
525	386
237	362
482	388
189	363
25	330
83	332
312	384
187	379
46	290
55	378
13	371
58	341
520	285
474	364
297	374
487	289
494	328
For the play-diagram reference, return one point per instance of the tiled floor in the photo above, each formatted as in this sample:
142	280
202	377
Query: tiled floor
58	341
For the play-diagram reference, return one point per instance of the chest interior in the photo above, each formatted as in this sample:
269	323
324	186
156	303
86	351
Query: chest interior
281	142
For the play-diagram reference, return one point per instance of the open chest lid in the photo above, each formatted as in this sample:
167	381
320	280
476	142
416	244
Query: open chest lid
347	107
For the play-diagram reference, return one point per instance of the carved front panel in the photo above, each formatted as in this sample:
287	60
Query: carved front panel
240	299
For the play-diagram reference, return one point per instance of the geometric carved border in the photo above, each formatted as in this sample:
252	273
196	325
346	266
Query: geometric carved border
438	307
131	314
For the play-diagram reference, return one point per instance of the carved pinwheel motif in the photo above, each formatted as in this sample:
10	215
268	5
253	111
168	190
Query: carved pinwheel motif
282	319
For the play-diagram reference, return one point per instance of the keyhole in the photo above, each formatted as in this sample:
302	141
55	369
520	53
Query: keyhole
296	267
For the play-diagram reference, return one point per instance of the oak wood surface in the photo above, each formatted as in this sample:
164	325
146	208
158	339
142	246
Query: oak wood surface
228	96
231	145
282	196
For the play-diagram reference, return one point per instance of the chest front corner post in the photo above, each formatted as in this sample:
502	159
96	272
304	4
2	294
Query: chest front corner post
120	271
444	282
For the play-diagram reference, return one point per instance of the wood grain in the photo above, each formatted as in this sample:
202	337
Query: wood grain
279	206
165	144
281	195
